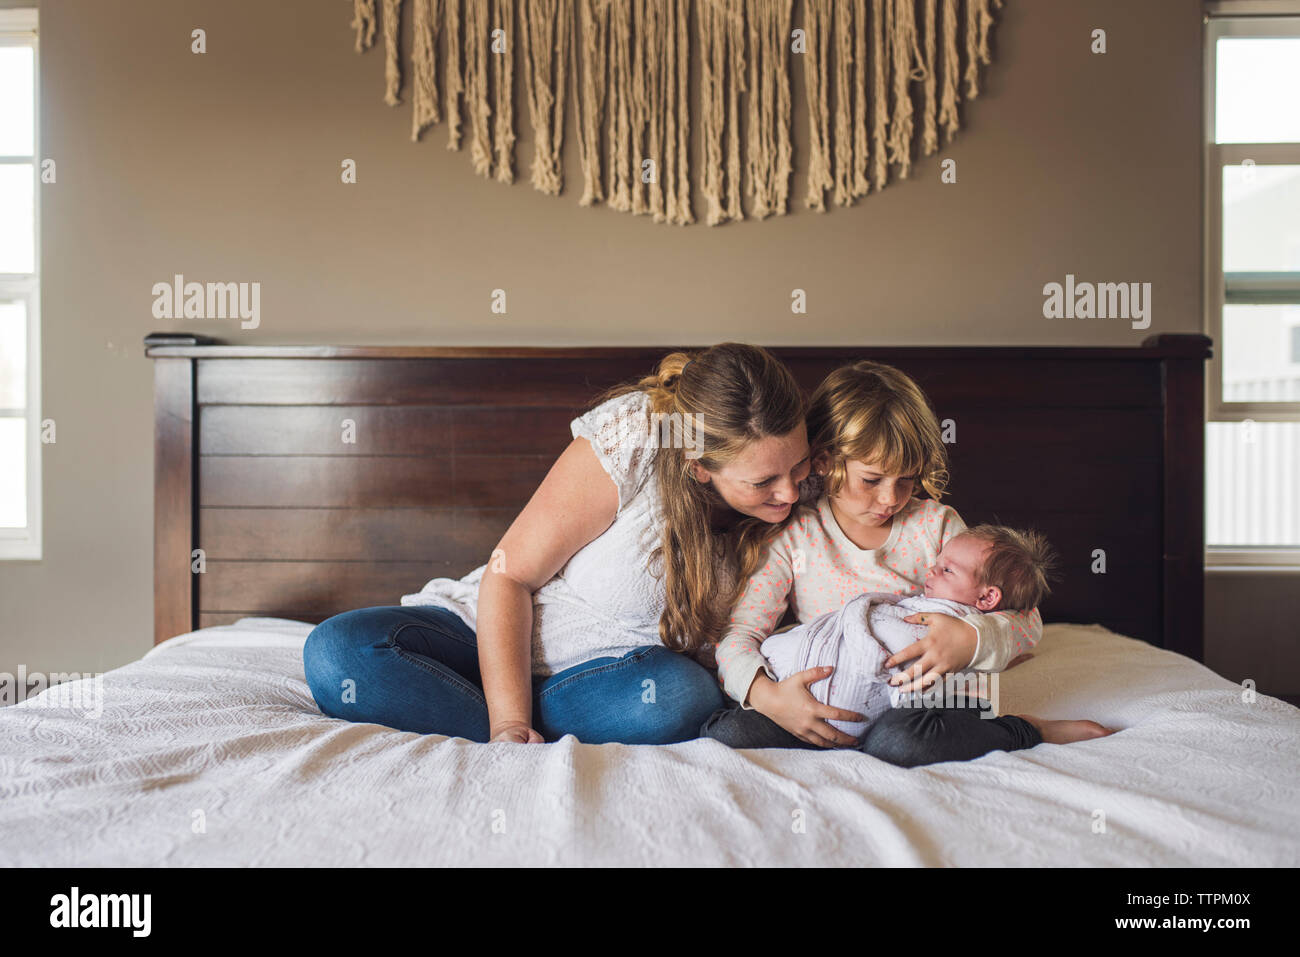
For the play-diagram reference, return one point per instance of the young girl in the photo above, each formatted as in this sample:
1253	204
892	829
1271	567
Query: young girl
877	445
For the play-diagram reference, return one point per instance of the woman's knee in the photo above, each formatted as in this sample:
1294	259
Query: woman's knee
333	653
649	696
689	690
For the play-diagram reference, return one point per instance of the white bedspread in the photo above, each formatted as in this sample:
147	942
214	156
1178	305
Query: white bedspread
210	751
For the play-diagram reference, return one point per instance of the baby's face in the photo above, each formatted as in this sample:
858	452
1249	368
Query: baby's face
953	575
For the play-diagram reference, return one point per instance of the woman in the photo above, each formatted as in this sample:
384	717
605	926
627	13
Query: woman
623	564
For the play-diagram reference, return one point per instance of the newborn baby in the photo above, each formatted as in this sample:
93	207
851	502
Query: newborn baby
983	569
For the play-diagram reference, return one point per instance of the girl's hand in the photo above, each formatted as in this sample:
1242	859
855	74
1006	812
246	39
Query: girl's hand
948	646
791	705
518	733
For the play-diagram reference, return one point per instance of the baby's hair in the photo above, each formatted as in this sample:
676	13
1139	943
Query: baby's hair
869	410
1018	562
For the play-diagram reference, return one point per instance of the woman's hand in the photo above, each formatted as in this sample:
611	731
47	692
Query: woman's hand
949	645
791	705
516	732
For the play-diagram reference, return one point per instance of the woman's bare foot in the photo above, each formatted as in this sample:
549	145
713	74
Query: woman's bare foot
1067	732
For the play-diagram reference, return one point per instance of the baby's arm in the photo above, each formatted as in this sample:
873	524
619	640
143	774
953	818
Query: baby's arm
754	618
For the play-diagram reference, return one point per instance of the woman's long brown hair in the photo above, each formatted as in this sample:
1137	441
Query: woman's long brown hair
731	395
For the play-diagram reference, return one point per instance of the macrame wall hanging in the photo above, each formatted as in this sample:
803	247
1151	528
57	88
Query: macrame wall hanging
883	80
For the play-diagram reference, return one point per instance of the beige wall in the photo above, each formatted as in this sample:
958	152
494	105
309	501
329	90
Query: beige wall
225	167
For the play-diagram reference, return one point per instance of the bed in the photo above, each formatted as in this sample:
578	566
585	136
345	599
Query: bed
210	750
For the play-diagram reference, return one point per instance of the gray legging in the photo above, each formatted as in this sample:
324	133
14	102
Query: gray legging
905	736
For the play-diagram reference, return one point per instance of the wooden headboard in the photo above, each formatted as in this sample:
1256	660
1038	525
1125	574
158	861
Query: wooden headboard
316	479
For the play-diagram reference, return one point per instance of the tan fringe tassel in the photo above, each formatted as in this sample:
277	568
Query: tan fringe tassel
769	151
948	117
978	20
363	21
735	86
545	34
907	67
631	61
986	24
654	43
679	120
455	78
844	71
392	52
503	82
861	150
640	111
425	21
930	133
672	115
711	65
476	85
620	104
817	26
879	98
591	27
722	79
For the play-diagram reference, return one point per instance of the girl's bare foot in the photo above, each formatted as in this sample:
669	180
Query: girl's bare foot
1067	732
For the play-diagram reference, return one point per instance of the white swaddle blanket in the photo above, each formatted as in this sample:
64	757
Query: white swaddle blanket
855	641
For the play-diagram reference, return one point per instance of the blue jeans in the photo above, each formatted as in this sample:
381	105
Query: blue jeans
416	669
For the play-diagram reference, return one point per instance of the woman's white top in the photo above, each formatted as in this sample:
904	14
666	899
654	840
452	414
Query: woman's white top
607	599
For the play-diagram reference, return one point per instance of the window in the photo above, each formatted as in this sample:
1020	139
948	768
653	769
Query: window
20	363
1252	296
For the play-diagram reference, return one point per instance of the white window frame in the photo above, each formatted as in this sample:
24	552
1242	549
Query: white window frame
1283	21
19	27
1240	18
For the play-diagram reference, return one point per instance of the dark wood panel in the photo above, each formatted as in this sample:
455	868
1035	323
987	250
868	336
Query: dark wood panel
410	430
1184	506
985	489
1135	531
269	537
1090	434
352	534
538	381
1106	434
1052	485
1007	383
337	481
298	589
572	383
1143	629
1129	590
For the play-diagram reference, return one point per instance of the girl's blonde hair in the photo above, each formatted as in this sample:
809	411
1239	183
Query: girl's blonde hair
871	411
725	397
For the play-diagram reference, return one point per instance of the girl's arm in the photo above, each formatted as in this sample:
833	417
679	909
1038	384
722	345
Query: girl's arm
575	503
745	673
760	608
1002	636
